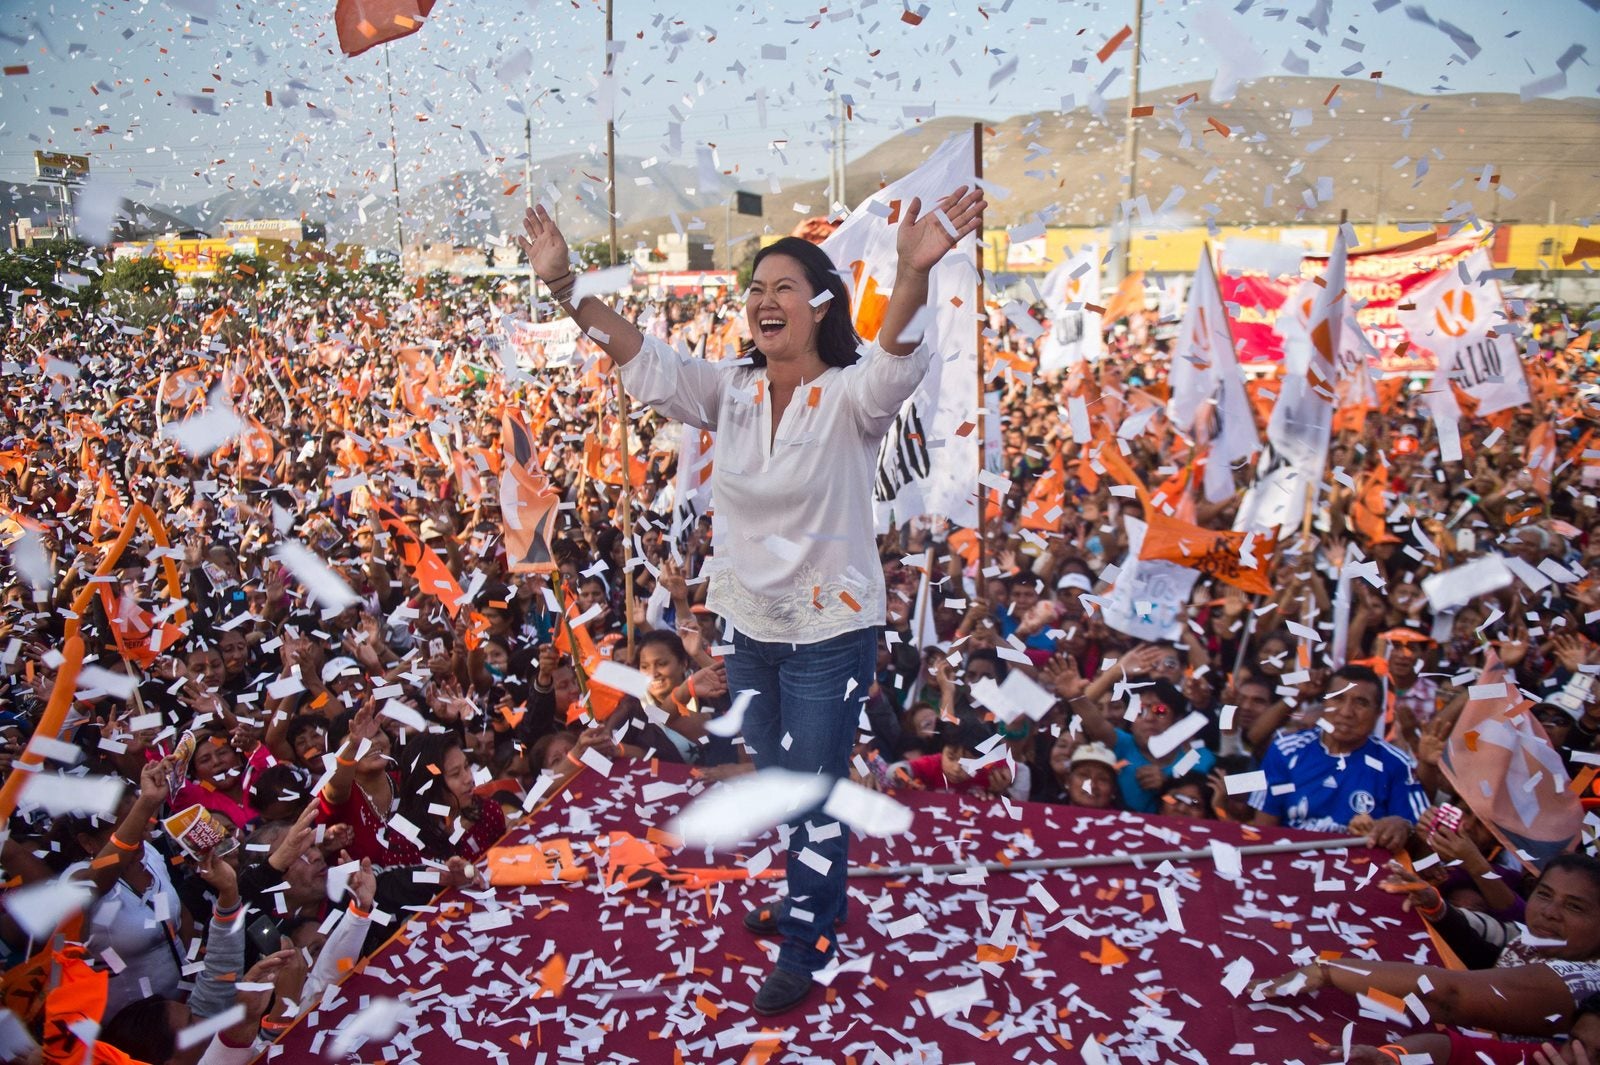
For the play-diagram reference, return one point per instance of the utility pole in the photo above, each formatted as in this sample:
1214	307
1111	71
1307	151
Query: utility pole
844	181
611	174
1130	152
394	159
527	198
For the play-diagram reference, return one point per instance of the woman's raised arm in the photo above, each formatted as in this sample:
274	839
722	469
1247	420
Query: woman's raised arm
547	253
921	242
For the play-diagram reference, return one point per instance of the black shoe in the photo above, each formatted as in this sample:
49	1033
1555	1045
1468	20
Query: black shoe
764	922
783	991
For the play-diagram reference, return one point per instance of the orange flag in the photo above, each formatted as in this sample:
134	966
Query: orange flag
80	996
527	501
1500	761
1542	457
433	576
1042	511
139	638
1218	553
1390	389
1128	298
1369	510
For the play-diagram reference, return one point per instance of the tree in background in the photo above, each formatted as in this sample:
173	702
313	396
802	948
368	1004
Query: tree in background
139	290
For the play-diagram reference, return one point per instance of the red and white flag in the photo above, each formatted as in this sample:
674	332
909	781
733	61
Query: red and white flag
1460	318
1209	403
1302	418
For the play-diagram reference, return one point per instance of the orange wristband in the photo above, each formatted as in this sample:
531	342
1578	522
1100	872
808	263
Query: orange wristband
128	847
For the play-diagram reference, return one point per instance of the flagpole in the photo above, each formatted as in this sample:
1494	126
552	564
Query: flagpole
983	406
394	158
622	396
1130	142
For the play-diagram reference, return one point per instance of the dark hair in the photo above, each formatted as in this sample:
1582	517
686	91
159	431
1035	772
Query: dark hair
1574	862
837	339
141	1030
1354	674
989	654
421	774
1195	780
1163	693
303	723
965	733
668	640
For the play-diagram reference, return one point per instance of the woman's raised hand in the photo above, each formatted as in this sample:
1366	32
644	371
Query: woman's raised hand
544	245
924	239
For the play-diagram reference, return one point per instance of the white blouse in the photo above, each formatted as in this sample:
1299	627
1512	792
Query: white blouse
795	548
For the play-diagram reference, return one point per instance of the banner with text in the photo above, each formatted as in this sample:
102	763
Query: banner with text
1388	280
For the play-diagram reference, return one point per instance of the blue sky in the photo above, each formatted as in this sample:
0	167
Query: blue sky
751	78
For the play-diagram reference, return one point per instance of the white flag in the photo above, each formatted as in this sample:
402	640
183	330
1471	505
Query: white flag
1302	418
1209	402
691	491
1453	317
1074	330
924	466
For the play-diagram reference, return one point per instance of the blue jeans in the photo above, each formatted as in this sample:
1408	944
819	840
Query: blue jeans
802	699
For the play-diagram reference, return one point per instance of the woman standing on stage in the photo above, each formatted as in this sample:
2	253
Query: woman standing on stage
795	573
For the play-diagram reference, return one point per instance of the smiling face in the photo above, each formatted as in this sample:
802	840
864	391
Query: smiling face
1566	906
1350	715
779	312
1091	785
664	669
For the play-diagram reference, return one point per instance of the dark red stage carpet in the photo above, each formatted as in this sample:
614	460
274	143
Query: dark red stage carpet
1115	964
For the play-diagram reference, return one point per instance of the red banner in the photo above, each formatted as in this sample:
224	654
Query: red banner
1385	279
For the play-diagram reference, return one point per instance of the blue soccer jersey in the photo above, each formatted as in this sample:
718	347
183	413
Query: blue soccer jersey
1309	788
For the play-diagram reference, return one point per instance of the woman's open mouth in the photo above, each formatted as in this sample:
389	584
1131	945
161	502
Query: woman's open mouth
770	327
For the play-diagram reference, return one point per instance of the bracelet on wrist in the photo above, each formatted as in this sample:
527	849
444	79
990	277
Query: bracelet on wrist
551	284
129	848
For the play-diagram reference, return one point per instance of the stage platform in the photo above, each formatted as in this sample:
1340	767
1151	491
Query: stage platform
1142	963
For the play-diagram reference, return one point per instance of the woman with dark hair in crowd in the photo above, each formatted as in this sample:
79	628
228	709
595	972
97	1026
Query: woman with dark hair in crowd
435	775
1521	979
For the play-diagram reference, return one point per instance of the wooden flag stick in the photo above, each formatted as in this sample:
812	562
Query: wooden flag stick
983	427
627	518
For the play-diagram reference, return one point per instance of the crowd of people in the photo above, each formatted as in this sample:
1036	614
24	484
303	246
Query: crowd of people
354	762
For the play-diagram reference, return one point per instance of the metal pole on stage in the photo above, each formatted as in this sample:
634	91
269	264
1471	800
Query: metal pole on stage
622	397
394	159
984	428
1091	861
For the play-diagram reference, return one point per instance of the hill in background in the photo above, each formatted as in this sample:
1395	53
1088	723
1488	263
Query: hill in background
1285	149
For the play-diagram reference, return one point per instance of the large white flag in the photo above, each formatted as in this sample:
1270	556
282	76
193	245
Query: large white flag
1074	330
1302	418
1454	317
1209	402
925	465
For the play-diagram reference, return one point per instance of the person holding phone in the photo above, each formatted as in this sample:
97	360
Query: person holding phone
796	577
